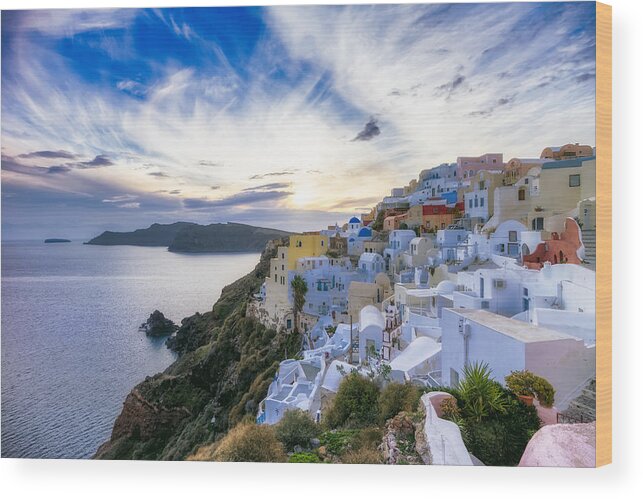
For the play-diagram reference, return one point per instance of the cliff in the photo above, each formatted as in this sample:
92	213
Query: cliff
226	363
187	237
154	235
223	237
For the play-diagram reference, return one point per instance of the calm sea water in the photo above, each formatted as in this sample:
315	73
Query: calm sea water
71	349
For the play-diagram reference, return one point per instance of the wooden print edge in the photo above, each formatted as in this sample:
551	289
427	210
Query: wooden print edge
603	234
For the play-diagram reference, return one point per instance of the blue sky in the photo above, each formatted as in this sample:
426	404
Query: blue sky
291	117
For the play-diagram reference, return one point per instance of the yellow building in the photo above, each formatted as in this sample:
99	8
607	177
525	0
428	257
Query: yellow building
307	244
563	186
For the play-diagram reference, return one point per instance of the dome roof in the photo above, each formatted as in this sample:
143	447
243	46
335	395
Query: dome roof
365	232
446	287
354	220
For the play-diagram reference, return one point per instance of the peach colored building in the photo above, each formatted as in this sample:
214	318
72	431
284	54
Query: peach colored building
561	248
467	166
567	151
393	222
517	168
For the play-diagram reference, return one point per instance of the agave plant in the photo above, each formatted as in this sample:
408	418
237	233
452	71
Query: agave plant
480	394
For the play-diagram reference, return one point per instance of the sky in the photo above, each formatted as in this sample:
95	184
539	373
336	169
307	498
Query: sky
286	117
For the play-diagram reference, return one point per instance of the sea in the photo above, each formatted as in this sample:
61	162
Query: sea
71	348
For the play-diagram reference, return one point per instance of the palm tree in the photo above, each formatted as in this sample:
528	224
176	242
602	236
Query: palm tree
299	290
482	396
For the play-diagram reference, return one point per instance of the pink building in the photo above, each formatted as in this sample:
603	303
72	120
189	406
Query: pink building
468	166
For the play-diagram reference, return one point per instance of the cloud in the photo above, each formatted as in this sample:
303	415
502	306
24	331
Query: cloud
239	199
49	155
269	187
451	86
120	199
205	162
132	87
503	101
129	205
98	162
370	131
58	169
585	77
158	174
271	174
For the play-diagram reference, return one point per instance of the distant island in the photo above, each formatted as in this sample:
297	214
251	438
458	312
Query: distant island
188	237
57	240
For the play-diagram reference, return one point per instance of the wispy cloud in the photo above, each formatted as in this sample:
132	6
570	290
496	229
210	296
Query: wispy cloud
342	102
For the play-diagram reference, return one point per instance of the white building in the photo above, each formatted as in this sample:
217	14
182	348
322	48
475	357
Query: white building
371	329
419	359
478	336
295	387
371	264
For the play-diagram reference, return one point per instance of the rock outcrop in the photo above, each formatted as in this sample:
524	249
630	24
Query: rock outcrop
399	441
158	325
562	445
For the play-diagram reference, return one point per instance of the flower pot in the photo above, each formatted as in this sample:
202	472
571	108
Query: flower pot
526	399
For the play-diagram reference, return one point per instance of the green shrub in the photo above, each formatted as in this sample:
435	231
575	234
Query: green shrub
500	440
355	405
250	443
397	397
531	385
296	428
481	396
304	457
337	441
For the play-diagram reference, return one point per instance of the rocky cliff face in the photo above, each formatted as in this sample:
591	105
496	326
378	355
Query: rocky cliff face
226	363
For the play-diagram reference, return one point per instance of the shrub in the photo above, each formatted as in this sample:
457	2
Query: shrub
481	396
304	457
367	438
296	428
529	384
500	440
356	403
250	443
363	456
397	397
339	441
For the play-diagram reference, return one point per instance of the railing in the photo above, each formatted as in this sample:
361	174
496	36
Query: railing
562	418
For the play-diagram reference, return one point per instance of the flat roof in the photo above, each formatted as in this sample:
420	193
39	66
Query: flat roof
519	330
567	163
418	351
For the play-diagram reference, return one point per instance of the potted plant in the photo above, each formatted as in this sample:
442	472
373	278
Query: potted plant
527	386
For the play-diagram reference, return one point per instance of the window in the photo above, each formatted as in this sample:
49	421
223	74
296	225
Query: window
498	283
574	180
537	223
322	243
481	185
513	236
481	202
470	203
476	202
521	194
